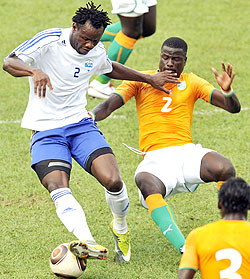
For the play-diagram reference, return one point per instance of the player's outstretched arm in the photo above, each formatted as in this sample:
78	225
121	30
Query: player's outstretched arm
157	80
226	97
104	109
17	68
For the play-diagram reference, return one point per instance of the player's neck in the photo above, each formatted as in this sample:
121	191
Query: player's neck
235	216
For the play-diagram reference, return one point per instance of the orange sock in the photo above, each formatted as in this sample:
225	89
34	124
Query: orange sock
154	201
219	184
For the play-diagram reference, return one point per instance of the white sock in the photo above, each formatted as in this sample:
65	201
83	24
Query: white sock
119	204
71	213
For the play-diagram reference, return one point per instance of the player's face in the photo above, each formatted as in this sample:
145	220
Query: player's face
172	59
85	38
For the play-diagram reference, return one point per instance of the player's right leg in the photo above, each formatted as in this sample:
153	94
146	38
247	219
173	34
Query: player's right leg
51	160
153	191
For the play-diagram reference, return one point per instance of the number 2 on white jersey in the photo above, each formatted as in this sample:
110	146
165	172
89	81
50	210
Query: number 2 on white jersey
166	106
236	260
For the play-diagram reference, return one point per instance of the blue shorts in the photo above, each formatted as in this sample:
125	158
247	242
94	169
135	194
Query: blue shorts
78	141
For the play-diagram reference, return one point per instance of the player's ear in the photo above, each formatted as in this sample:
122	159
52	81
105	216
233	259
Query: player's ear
74	27
185	61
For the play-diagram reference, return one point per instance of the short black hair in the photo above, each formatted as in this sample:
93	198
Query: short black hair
234	195
175	42
98	18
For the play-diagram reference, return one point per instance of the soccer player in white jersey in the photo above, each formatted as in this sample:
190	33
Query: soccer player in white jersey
59	64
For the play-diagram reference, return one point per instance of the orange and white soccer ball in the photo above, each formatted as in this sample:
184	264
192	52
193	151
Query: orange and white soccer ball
64	264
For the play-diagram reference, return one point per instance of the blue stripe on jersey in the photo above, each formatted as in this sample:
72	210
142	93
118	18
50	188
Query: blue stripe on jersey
37	38
61	194
47	31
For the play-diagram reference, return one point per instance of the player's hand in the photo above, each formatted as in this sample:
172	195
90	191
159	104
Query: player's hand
161	78
226	77
41	80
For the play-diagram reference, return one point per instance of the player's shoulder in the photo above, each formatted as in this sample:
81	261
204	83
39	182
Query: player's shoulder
100	47
51	34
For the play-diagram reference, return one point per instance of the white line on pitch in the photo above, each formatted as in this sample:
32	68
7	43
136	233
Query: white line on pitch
202	112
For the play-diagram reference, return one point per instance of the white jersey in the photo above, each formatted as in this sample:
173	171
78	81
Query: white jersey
69	73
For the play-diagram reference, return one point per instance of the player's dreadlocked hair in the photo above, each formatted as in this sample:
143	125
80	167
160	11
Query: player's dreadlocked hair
98	18
175	42
234	195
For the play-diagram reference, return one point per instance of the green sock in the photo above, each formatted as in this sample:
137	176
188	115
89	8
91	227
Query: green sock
116	52
111	31
165	220
103	79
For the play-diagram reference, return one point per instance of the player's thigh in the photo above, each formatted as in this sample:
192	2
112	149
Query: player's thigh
105	169
149	22
95	155
51	158
49	145
132	26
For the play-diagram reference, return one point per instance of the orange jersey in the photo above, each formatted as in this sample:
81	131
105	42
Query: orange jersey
165	120
220	249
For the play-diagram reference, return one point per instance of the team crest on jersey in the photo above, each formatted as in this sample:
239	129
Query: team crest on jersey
182	85
88	64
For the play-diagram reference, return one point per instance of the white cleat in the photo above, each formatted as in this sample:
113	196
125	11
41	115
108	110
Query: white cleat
99	90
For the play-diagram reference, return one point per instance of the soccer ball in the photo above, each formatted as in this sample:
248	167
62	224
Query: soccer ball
64	264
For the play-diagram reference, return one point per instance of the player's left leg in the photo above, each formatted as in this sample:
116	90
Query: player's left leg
105	169
216	167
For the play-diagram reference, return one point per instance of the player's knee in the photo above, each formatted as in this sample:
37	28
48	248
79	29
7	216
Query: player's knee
225	170
113	184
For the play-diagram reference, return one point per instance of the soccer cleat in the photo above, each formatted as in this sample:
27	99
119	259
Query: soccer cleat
99	90
122	245
88	249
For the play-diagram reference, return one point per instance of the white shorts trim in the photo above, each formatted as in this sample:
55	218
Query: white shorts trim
178	167
132	8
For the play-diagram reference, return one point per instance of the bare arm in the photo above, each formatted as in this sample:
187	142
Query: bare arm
157	80
104	109
17	68
186	274
224	80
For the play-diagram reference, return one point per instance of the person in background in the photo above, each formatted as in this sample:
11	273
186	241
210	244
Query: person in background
137	20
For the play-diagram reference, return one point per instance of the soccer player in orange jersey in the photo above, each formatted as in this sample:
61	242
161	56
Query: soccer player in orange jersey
172	163
222	249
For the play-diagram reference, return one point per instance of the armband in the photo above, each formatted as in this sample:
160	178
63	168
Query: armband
92	115
227	94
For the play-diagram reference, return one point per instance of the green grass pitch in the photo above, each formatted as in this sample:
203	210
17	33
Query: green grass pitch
30	229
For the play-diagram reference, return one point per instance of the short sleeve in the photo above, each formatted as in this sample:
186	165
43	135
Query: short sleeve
189	258
201	88
127	90
105	67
